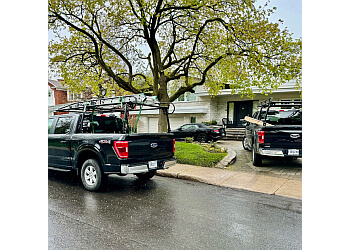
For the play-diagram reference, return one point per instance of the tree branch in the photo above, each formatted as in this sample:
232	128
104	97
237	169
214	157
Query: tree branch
120	81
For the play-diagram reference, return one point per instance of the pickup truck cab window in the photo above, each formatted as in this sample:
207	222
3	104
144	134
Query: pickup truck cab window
284	117
50	124
63	125
100	125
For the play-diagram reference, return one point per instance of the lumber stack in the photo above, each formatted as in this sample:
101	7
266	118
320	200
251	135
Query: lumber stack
256	121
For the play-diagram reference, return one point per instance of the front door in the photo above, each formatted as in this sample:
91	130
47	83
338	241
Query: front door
241	110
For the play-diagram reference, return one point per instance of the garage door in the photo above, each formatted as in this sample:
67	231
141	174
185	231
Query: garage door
152	125
175	122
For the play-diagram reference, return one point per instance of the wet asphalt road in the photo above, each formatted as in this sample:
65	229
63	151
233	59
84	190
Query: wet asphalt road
166	213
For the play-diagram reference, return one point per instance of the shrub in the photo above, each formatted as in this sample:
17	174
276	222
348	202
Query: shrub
189	139
214	148
213	122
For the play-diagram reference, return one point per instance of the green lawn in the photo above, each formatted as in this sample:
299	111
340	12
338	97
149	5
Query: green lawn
194	154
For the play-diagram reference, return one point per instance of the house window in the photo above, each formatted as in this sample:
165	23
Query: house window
187	97
191	97
193	119
181	98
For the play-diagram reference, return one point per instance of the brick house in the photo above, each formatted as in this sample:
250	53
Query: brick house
57	96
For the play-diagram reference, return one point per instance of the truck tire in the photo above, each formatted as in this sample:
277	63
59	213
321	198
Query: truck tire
257	159
92	176
202	137
146	176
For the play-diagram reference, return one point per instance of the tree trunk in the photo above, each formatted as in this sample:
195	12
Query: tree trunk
162	122
163	97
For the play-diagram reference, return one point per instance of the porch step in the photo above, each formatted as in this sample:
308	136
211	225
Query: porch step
235	134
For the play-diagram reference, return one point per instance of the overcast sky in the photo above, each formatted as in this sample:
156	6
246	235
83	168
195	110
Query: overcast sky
290	11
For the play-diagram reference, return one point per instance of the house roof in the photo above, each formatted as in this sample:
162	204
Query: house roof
57	84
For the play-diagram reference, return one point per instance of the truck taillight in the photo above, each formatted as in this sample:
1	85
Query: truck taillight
216	130
261	136
174	146
122	149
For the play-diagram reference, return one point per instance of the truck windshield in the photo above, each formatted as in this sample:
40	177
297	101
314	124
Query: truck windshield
284	117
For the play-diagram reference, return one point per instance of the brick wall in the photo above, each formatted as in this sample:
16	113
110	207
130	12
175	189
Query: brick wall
60	97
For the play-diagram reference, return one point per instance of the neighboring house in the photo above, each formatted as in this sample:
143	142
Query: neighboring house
200	107
57	96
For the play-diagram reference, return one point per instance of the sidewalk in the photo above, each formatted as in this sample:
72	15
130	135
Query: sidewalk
235	179
243	175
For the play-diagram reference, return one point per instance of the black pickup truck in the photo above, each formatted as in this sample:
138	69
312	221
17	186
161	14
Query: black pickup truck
277	132
96	145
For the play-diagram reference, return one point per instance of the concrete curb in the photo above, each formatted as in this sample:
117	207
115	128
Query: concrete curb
229	158
236	180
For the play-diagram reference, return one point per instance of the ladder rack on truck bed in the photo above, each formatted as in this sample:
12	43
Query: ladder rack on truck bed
283	104
269	103
122	104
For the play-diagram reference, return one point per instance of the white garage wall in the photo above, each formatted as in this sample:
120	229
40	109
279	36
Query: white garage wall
175	122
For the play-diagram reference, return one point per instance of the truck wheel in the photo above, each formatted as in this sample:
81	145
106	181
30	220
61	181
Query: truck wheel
202	137
257	159
245	143
91	175
146	176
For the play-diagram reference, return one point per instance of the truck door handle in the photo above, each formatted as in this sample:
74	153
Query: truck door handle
63	141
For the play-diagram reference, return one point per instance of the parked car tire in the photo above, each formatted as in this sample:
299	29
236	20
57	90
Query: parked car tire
146	176
245	143
202	137
257	159
91	175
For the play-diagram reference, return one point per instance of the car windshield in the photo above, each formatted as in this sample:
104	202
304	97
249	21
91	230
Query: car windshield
283	117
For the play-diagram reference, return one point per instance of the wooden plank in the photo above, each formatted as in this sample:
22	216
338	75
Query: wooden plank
256	121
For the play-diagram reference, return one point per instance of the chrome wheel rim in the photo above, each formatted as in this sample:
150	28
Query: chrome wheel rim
90	175
245	142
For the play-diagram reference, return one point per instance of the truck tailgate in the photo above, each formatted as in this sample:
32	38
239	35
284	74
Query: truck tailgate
283	137
147	147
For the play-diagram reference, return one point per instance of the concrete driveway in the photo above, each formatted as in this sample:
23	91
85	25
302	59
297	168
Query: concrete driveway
279	167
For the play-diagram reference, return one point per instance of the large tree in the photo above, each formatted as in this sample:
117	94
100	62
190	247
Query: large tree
148	46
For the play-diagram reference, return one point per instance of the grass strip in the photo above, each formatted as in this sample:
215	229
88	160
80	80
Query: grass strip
193	154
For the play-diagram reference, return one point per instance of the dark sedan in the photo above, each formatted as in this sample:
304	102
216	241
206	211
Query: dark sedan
199	131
